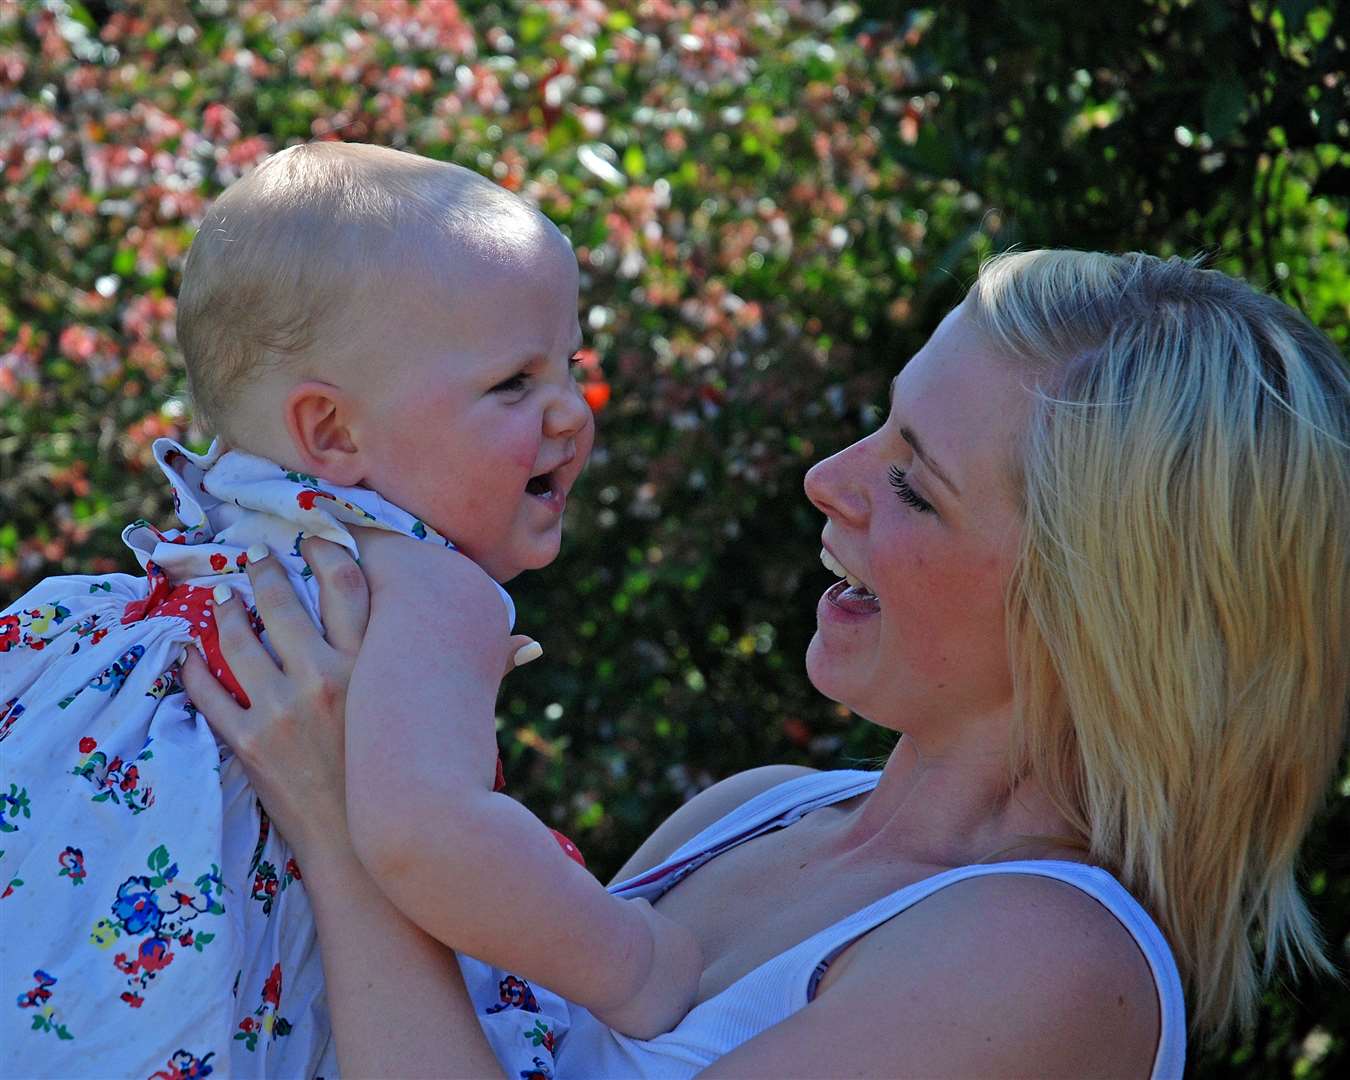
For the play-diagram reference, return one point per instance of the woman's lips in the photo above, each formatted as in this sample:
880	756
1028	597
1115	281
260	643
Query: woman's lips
851	601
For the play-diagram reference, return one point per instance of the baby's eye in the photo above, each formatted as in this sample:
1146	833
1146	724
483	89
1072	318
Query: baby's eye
513	385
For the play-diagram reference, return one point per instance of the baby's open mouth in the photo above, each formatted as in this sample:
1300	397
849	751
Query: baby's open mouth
541	484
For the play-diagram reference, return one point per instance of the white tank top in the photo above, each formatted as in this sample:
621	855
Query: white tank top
779	987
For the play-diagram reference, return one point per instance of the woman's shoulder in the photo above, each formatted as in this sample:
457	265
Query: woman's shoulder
1000	953
705	808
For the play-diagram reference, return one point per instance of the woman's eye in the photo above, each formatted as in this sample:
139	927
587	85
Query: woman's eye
906	492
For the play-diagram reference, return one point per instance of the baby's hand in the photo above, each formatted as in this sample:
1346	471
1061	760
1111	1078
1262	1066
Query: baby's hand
669	986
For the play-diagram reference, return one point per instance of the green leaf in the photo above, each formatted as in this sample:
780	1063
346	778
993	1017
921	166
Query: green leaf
634	161
124	262
533	25
159	858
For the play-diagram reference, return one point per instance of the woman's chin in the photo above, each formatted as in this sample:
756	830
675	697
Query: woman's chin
825	671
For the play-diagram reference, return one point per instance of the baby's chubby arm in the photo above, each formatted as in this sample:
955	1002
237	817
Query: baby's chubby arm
472	867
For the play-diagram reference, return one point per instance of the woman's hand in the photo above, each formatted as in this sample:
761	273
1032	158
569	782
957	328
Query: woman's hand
290	740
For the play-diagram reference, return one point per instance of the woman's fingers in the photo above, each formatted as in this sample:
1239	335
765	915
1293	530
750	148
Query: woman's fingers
344	595
522	649
290	630
250	662
229	722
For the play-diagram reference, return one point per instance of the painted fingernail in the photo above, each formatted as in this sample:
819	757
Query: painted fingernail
257	553
526	653
221	593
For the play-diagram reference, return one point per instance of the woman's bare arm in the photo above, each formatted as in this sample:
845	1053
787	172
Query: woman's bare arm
473	867
377	964
1006	976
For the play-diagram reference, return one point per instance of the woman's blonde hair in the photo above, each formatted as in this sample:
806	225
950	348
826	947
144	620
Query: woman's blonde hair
1178	616
292	258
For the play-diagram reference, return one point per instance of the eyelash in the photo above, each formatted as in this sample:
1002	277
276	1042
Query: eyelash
906	492
516	383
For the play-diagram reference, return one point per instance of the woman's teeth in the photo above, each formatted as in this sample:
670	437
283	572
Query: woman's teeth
834	566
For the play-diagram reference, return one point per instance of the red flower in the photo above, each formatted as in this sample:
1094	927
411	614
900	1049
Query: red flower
597	394
38	646
129	779
99	635
219	562
9	632
293	868
306	498
134	1000
154	955
87	745
272	988
247	1024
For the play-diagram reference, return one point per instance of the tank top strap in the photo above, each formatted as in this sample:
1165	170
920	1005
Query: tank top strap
805	964
774	808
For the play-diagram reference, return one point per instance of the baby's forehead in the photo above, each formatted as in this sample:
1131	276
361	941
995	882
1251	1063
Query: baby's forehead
518	245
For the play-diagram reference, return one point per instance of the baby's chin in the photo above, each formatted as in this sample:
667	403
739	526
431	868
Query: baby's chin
513	565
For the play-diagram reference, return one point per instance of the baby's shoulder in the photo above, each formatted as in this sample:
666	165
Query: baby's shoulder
415	569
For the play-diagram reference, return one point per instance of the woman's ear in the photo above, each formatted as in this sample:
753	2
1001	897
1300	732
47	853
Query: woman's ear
318	416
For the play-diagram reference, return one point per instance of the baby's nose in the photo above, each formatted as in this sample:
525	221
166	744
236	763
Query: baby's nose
568	415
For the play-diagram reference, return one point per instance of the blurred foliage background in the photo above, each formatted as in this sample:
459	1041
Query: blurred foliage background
772	205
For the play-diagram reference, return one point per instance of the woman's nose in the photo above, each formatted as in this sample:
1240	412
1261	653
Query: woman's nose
834	487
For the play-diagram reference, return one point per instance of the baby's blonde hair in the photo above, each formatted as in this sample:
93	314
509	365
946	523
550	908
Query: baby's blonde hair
295	255
1178	616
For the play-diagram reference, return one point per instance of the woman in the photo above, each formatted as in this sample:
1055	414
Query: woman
1100	563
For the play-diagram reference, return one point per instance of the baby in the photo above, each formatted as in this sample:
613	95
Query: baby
382	344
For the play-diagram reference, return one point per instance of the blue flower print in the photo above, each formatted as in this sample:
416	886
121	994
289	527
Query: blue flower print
137	906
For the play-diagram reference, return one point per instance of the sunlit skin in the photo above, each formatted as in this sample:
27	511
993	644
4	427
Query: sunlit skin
484	399
448	395
932	662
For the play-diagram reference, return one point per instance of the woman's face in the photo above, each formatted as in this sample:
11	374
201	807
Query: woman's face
924	644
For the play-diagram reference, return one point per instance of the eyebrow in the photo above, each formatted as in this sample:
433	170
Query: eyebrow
913	440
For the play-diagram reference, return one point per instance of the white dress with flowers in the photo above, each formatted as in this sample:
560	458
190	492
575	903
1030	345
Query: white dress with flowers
152	923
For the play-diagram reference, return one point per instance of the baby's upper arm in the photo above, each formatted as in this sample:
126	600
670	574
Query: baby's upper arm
423	691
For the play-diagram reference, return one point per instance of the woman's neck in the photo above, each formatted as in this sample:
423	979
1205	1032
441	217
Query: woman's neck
955	808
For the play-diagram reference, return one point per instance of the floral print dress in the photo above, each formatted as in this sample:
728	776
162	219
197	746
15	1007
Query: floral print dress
152	922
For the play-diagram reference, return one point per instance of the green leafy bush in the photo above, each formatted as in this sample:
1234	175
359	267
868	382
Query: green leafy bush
772	206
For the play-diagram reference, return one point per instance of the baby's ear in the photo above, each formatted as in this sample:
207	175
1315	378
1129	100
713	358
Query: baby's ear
317	416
